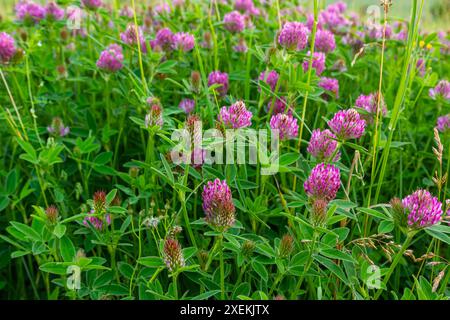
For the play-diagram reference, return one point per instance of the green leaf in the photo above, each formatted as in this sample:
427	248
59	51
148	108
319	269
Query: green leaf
374	213
260	270
67	249
103	158
385	226
288	158
337	254
55	267
206	295
110	196
27	231
28	148
11	181
151	262
167	168
59	230
438	235
334	268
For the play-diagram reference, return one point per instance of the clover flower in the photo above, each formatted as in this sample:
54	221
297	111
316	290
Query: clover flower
173	255
183	41
322	145
52	214
234	22
278	106
270	77
131	38
98	216
286	124
323	182
111	59
318	62
187	105
246	6
7	47
325	41
422	208
218	204
293	36
154	117
217	77
236	116
330	85
347	124
165	38
369	103
92	4
442	90
57	128
53	11
286	246
443	123
29	11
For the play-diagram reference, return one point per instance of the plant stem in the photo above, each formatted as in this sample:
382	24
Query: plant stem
222	269
395	262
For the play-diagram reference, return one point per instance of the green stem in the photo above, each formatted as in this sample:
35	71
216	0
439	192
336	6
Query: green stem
395	262
307	266
222	269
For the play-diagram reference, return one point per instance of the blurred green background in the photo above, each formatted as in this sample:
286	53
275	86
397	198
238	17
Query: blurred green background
436	12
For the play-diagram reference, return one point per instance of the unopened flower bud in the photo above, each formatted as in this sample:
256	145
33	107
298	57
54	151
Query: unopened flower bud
286	246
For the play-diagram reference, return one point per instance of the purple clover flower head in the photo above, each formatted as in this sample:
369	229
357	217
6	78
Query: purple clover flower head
421	67
97	222
293	36
162	9
111	59
173	255
29	11
234	22
310	21
187	105
330	85
218	204
53	11
7	47
217	77
126	11
318	62
131	38
286	124
443	124
154	117
369	103
165	38
422	208
57	128
278	106
322	145
183	41
325	41
347	124
92	4
333	17
323	183
269	77
240	47
376	32
244	5
236	116
442	90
